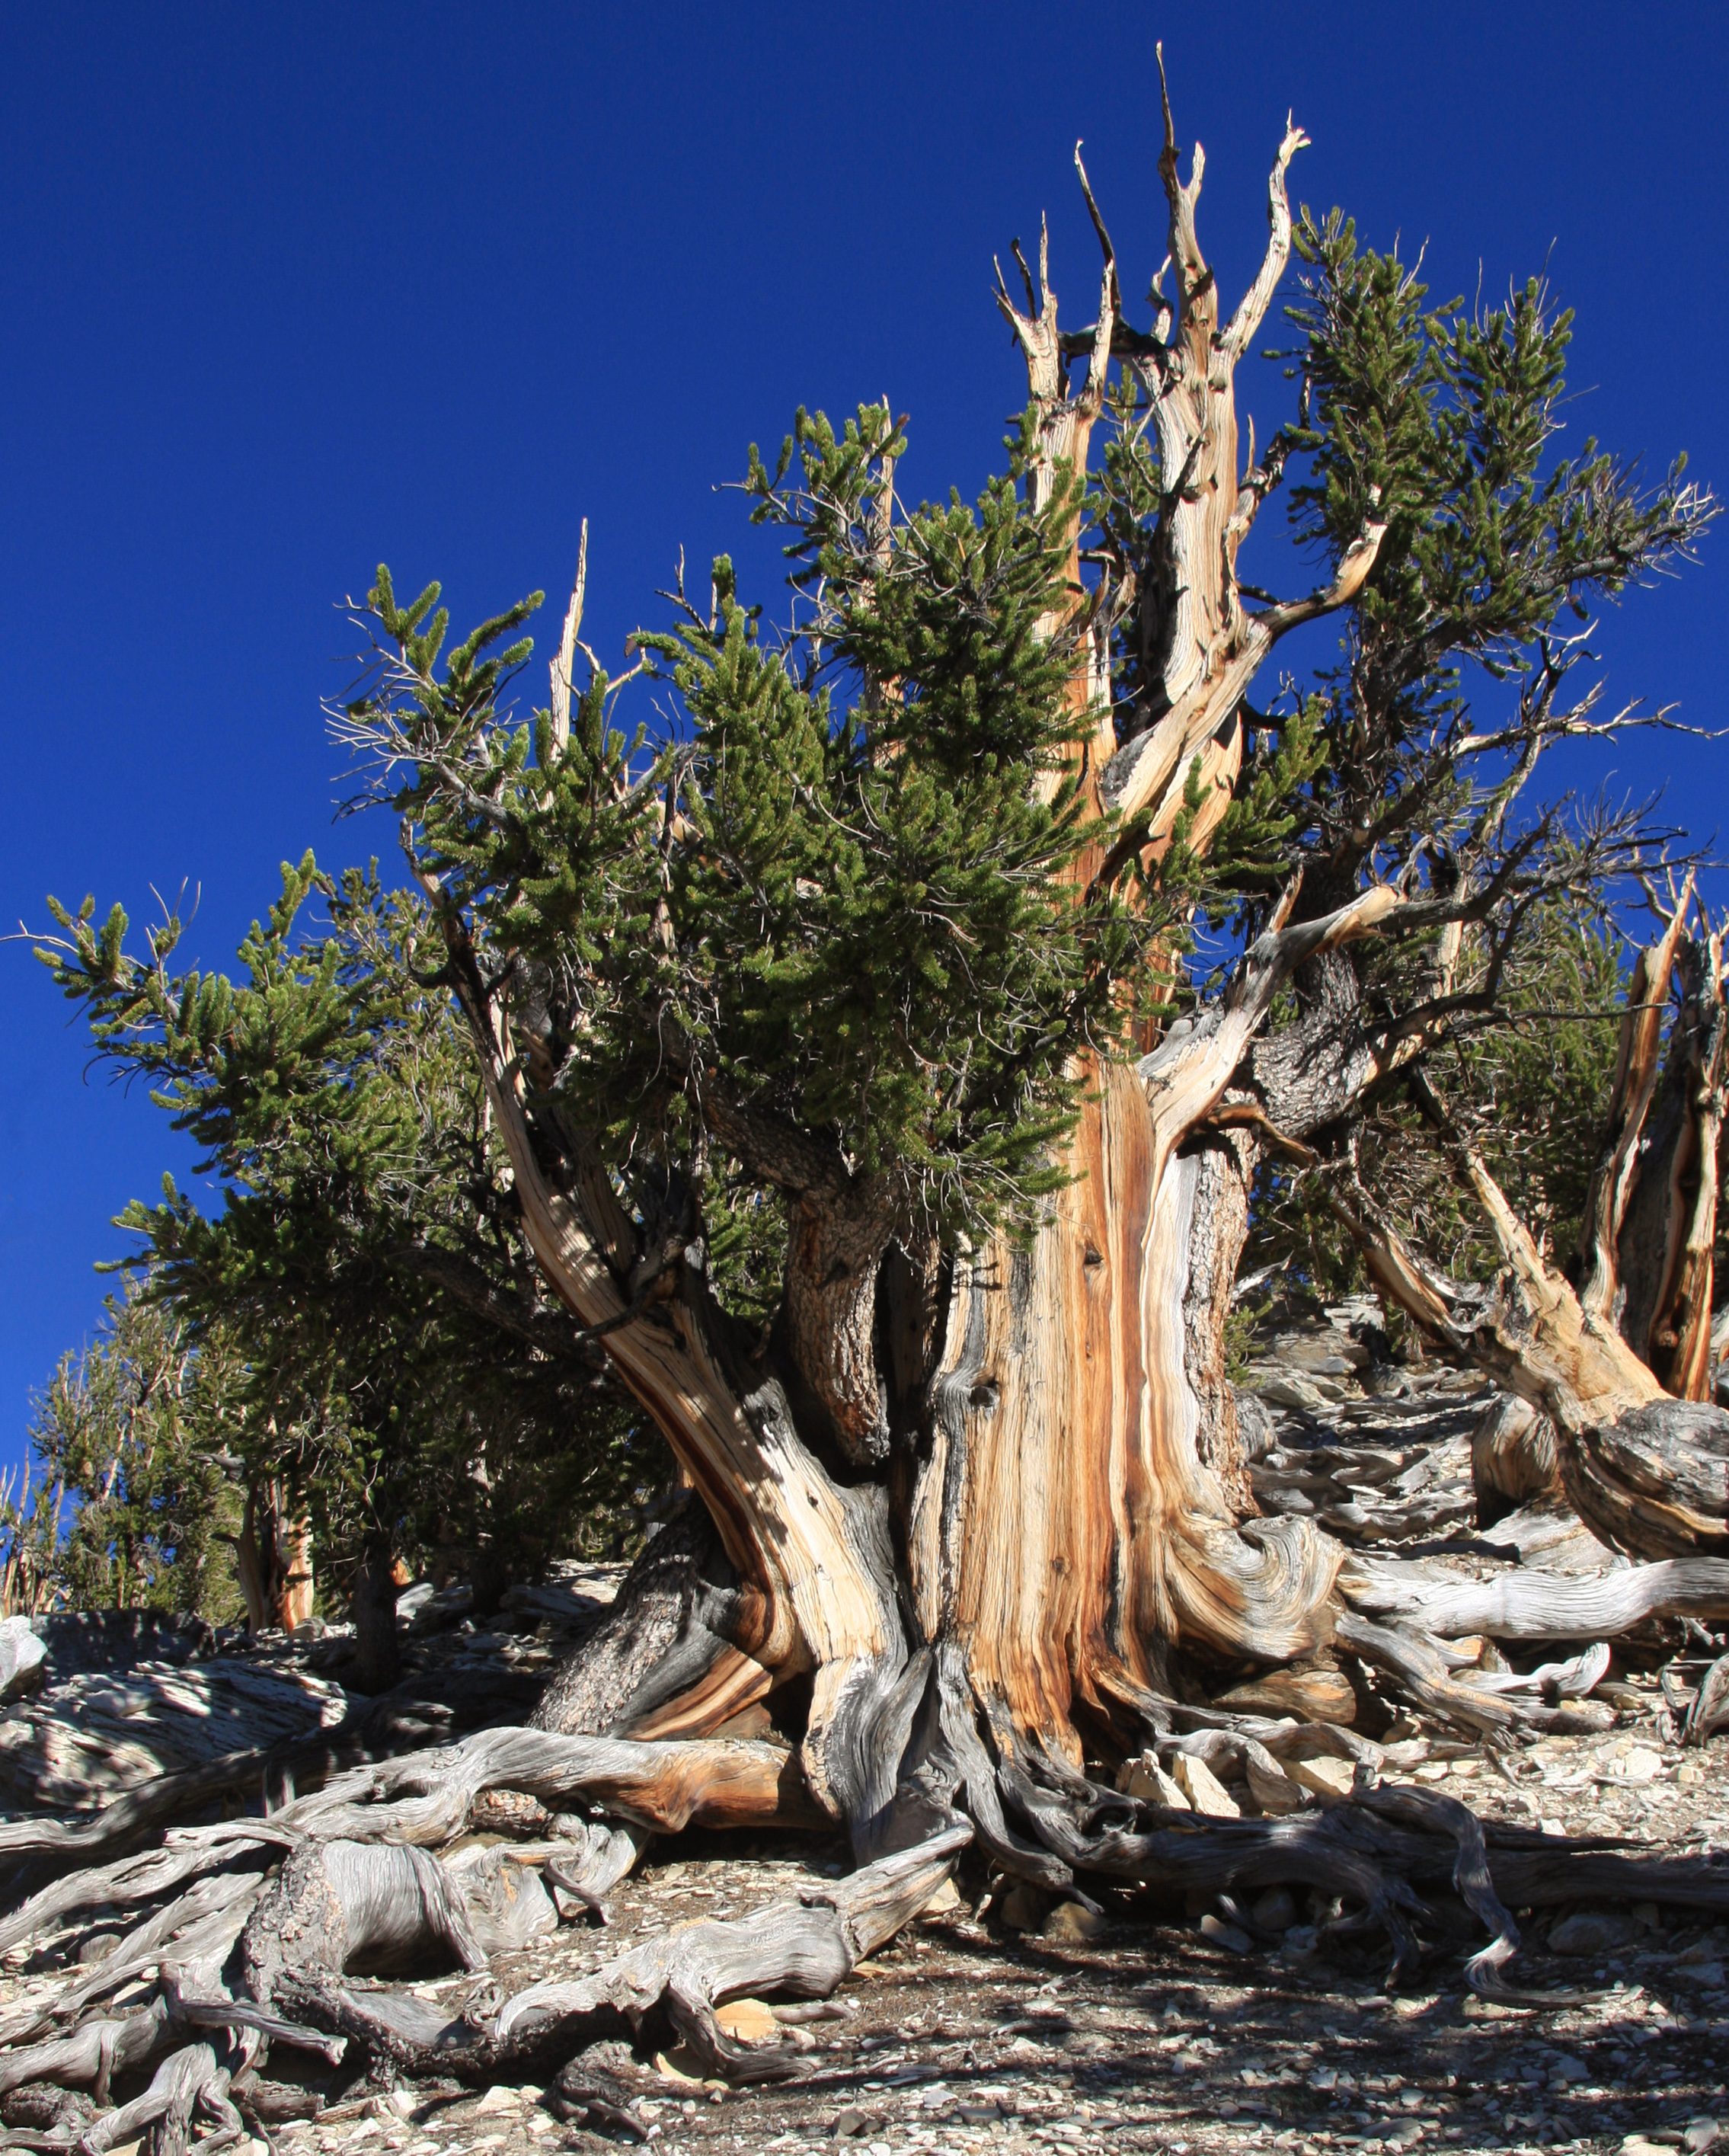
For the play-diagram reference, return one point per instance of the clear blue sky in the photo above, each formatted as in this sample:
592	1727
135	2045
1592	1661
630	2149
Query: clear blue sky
288	291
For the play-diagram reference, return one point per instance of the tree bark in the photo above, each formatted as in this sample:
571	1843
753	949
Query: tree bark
274	1559
1646	1251
377	1659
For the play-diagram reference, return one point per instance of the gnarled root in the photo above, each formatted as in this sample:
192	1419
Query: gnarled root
190	2080
426	1797
805	1948
92	2056
1525	1604
341	1907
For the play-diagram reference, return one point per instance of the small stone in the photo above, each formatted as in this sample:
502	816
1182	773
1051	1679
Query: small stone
1068	1924
1025	1907
1202	1788
1639	1766
1327	1776
1710	1973
1276	1910
1275	1791
948	1897
1225	1935
1701	2134
747	2021
850	2125
1144	1779
1592	1932
497	2098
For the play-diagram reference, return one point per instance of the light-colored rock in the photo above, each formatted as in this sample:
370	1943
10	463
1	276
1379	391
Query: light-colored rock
1144	1779
1070	1925
1202	1788
1225	1935
1326	1776
1275	1792
500	2096
948	1897
1701	2134
1288	1393
1593	1931
748	2021
23	1659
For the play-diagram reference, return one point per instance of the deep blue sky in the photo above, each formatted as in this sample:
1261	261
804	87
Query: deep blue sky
288	291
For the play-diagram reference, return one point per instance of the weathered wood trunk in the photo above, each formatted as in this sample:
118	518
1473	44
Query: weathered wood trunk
378	1662
274	1559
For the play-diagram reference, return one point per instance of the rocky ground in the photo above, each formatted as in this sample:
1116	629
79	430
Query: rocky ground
995	2020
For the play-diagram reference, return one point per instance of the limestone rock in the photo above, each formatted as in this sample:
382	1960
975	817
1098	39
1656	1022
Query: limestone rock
1276	1910
1326	1777
1144	1777
1275	1792
1202	1788
1025	1907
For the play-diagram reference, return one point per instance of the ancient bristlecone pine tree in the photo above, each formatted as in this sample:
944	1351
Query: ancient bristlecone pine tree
868	1098
981	1473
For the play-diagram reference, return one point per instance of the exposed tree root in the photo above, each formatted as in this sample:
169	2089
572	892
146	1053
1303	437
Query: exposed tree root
342	1905
190	2080
1528	1605
426	1797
